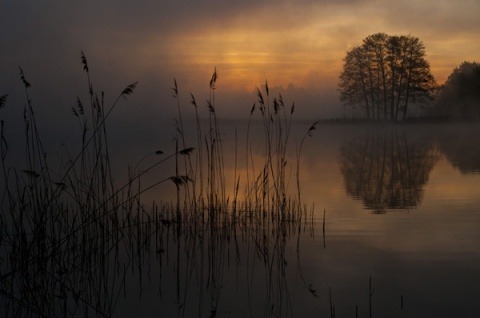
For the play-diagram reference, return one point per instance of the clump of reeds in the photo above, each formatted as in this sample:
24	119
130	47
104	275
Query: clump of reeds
60	226
70	235
265	211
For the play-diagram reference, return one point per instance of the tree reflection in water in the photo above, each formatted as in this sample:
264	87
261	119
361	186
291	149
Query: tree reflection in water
387	170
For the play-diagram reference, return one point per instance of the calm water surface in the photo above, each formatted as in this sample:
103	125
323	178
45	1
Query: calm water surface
400	238
390	229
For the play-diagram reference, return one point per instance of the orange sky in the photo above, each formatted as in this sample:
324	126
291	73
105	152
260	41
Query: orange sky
305	45
295	45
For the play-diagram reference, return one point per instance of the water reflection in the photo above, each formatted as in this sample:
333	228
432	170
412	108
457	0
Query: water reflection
94	248
148	262
386	169
137	259
459	143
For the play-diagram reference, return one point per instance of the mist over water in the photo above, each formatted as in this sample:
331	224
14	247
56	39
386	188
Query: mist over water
388	208
398	210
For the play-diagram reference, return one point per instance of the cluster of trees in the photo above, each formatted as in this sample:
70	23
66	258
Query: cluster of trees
386	75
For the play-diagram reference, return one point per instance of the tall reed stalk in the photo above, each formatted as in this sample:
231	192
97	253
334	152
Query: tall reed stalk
71	237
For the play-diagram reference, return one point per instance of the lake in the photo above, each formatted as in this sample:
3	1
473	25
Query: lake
387	226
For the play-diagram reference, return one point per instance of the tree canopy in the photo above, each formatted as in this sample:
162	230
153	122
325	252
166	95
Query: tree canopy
460	95
386	75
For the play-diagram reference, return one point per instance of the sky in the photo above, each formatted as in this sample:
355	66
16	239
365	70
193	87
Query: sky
296	46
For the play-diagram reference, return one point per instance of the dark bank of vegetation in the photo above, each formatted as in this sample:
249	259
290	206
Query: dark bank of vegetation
388	78
459	97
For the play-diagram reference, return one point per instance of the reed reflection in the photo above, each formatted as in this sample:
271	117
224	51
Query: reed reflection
387	169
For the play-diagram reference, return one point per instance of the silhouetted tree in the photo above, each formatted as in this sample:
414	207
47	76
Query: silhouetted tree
460	96
385	75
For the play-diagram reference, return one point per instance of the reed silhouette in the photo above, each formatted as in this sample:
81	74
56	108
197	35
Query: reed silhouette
72	238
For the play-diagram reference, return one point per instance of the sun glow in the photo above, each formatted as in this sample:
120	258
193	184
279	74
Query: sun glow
247	57
302	48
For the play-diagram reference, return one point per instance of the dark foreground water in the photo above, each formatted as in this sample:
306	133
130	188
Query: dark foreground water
390	228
